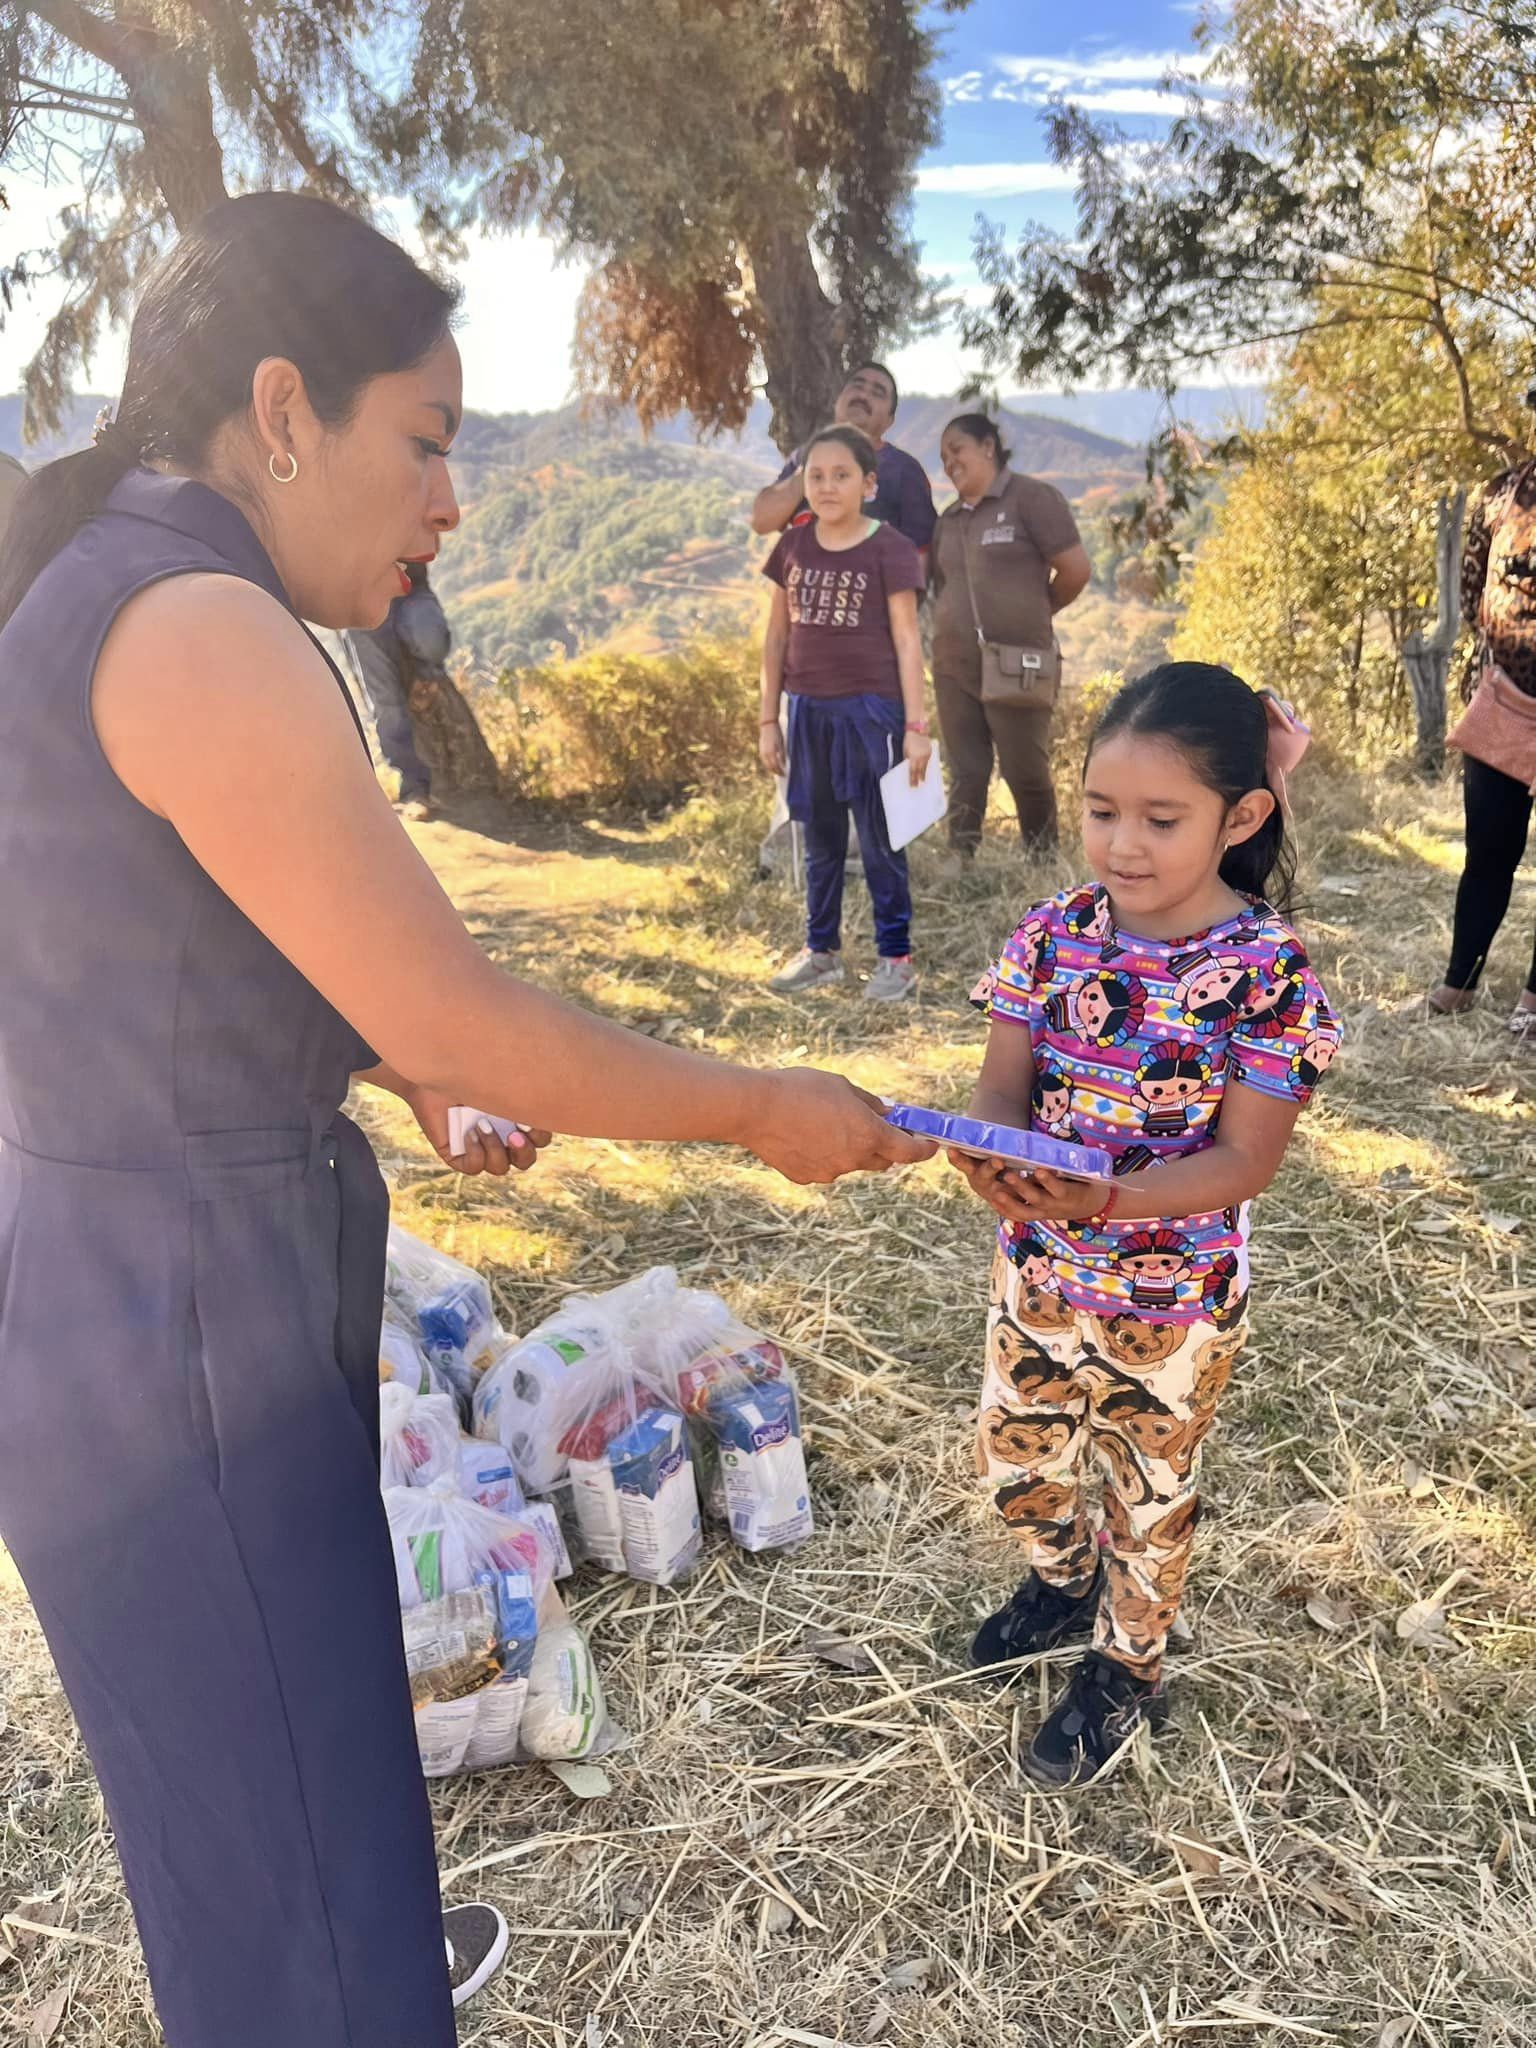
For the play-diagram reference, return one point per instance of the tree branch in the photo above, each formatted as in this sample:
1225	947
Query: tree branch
100	38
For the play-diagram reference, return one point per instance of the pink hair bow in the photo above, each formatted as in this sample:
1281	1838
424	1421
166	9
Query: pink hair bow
1289	738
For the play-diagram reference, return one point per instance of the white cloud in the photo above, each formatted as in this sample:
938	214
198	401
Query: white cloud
995	181
1062	74
1128	99
1116	82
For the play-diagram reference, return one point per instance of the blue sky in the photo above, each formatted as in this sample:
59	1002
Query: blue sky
1000	63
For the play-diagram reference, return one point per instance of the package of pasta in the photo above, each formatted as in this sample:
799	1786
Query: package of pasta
451	1307
418	1436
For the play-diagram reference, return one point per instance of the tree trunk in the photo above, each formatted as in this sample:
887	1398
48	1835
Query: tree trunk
1427	656
167	85
797	325
171	97
449	738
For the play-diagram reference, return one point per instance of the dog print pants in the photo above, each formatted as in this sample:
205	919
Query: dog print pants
1138	1396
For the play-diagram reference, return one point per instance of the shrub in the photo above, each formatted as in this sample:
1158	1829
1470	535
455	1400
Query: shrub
630	729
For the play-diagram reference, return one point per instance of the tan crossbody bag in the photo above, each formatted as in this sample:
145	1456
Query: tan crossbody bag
1029	678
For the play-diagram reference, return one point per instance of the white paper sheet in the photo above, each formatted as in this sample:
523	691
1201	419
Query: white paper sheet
910	811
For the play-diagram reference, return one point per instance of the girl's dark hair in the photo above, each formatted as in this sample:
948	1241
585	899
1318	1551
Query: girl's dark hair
979	428
859	446
268	274
1218	724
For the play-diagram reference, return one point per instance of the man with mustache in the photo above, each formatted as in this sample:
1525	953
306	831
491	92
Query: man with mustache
903	496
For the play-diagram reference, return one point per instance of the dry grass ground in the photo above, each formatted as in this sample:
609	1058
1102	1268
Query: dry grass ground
1336	1841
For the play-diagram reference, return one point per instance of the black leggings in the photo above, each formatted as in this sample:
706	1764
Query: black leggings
1498	819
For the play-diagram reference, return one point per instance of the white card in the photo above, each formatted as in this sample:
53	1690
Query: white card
462	1121
909	811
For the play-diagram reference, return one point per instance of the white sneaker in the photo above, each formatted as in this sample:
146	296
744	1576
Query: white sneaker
807	970
893	981
475	1937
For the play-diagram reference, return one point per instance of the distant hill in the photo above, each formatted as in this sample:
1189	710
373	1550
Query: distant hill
579	532
77	430
1137	415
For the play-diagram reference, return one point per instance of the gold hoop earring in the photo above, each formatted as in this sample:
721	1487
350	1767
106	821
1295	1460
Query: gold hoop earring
293	468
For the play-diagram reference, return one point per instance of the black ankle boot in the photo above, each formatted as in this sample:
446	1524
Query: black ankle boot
1037	1617
1103	1705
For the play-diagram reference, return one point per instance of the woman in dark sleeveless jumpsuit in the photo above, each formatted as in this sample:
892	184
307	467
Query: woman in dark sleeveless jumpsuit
191	1245
191	1234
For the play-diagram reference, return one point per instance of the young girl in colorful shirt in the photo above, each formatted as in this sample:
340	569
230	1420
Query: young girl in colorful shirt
1168	1015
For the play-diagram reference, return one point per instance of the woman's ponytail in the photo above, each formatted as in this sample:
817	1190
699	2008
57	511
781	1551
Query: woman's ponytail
50	509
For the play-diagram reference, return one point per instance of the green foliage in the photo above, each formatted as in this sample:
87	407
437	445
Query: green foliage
739	173
1363	164
639	731
1322	558
645	540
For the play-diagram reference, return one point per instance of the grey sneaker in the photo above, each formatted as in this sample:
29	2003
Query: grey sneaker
893	981
807	970
476	1940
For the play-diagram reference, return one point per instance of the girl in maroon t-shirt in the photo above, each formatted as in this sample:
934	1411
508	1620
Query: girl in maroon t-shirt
842	644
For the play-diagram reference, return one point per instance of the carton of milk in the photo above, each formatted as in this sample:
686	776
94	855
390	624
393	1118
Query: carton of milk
762	1455
658	1497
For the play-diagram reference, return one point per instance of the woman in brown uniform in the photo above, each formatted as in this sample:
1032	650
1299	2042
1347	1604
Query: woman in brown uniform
1006	558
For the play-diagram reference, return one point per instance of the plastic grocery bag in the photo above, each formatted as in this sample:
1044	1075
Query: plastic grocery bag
742	1397
451	1307
485	1475
629	1472
442	1543
517	1400
469	1655
402	1355
418	1436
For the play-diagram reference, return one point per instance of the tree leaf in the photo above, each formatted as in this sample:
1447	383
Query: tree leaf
827	1647
912	1975
1198	1857
1423	1626
1417	1483
584	1781
880	2016
46	2017
778	1918
1334	1615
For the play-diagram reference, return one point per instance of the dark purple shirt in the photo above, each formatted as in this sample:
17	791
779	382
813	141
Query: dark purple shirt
903	495
840	641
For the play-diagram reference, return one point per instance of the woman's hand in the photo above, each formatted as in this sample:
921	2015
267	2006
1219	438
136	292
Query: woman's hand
813	1126
770	747
917	751
1038	1197
483	1151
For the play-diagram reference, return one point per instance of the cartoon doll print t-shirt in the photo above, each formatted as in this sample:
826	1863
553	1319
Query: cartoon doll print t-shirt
1135	1044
